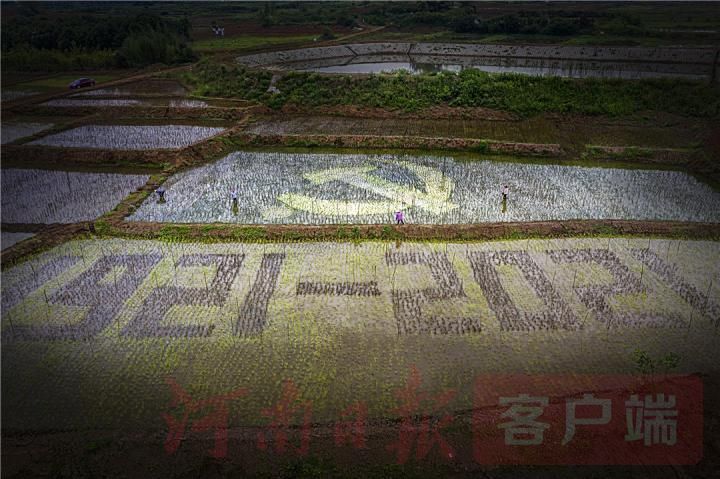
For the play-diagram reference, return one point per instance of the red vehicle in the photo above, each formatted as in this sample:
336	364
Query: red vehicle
81	83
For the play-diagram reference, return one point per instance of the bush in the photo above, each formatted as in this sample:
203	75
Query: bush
152	46
41	60
327	34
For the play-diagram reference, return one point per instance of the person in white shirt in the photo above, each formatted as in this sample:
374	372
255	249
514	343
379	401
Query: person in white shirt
505	192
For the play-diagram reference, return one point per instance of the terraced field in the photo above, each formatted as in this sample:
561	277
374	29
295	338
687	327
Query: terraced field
186	334
117	137
104	323
44	196
321	189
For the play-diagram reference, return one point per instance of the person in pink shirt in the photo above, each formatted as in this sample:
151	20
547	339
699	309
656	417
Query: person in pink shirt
399	218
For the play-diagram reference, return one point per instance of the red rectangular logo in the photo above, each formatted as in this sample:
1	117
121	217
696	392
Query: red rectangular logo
588	420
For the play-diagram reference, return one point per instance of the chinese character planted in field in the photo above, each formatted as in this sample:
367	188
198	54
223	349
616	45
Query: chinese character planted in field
571	419
523	429
427	430
654	421
281	414
216	419
352	428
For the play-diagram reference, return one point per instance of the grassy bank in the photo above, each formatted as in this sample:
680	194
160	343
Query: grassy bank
524	95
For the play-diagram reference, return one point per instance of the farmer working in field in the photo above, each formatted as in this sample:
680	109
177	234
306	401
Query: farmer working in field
505	192
399	218
234	198
161	194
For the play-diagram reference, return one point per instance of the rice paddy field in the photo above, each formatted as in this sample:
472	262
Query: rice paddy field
46	196
16	131
102	324
77	102
338	189
193	336
9	239
121	137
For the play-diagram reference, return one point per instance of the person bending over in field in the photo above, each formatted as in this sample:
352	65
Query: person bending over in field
234	199
161	194
399	218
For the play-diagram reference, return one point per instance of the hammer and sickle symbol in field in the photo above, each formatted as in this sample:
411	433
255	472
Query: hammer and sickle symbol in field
435	199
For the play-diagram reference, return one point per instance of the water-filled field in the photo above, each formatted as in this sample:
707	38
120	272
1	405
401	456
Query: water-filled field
15	131
9	239
126	137
42	196
74	102
417	64
331	189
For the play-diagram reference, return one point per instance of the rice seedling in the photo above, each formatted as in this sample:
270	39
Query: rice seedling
41	196
335	189
15	131
72	102
122	137
188	104
241	290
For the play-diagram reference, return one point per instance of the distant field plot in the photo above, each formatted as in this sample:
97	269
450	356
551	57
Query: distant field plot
9	95
187	104
121	137
9	239
40	196
330	188
94	102
528	130
345	322
15	131
249	42
151	87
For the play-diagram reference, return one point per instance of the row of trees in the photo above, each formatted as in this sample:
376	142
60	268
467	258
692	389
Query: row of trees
37	42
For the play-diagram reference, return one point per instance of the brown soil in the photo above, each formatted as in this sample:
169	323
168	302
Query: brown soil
132	453
440	111
406	142
153	112
46	237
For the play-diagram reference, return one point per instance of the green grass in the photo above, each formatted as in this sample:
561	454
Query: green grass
248	42
520	94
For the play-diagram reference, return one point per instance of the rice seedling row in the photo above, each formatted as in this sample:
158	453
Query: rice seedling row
78	290
337	189
73	102
93	329
43	196
121	137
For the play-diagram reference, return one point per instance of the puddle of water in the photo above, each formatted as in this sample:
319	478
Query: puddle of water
417	64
